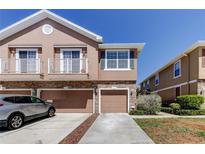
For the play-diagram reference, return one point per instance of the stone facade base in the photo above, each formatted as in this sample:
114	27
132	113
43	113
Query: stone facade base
95	85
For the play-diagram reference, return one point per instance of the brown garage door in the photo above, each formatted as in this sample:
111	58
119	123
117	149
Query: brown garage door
114	101
19	92
70	100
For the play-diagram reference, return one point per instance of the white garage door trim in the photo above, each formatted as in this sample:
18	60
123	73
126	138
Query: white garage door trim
60	89
128	98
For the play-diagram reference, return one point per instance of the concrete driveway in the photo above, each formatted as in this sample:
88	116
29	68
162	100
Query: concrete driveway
115	128
47	131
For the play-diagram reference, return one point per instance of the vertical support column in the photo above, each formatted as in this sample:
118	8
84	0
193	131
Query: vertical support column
49	66
38	92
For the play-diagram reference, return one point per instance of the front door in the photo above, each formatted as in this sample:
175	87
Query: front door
178	93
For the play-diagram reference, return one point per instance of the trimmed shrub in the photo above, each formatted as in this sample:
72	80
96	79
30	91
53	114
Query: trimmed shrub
191	112
166	103
167	110
183	112
137	112
192	102
150	104
175	106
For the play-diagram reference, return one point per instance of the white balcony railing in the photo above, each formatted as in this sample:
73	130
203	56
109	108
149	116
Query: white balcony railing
68	65
32	66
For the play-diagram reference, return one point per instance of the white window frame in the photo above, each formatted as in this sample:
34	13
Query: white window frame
147	83
69	49
174	76
156	76
27	49
117	69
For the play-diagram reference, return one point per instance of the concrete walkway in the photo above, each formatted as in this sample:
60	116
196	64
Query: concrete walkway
115	128
165	115
47	131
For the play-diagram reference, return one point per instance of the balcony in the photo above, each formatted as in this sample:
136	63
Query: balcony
68	69
20	69
20	66
68	66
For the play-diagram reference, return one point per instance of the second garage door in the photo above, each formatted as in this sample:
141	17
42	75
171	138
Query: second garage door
79	101
114	101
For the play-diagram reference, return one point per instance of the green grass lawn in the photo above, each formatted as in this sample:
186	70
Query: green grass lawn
174	130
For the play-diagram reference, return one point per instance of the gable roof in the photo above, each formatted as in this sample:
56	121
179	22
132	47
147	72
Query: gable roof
42	14
187	51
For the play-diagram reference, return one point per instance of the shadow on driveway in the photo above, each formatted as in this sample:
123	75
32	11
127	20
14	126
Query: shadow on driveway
44	130
4	129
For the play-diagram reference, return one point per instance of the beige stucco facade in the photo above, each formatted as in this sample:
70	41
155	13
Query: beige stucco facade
48	48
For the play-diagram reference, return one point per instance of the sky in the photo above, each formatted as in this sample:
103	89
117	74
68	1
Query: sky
167	33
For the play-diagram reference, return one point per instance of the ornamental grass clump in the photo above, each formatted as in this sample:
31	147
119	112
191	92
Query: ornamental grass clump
150	104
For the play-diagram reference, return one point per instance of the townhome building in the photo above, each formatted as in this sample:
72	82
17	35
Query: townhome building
63	63
183	75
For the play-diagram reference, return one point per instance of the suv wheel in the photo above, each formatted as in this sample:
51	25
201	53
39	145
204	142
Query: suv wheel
15	121
51	112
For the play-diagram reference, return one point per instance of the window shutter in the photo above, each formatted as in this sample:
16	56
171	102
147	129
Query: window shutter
102	60
132	66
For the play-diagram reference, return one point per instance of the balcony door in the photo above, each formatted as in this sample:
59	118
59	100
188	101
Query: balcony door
70	60
27	61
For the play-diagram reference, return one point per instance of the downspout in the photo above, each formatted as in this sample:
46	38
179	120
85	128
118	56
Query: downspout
188	73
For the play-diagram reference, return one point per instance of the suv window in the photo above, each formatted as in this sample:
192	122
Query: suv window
22	99
36	100
9	99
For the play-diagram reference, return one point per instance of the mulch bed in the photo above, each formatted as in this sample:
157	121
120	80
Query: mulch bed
75	136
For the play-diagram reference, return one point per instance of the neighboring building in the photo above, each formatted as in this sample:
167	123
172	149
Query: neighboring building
48	56
183	75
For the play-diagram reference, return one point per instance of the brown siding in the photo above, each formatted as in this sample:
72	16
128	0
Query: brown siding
194	64
201	67
166	76
113	101
189	72
193	88
168	95
70	100
184	90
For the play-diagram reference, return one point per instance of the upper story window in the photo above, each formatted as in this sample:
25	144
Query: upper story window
27	60
71	61
117	60
143	84
147	84
203	57
177	69
156	79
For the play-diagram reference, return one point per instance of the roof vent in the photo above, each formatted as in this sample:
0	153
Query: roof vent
47	29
